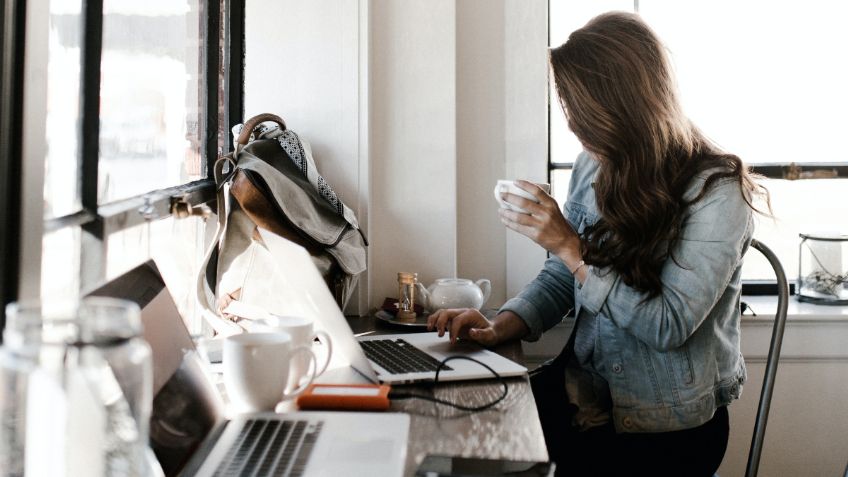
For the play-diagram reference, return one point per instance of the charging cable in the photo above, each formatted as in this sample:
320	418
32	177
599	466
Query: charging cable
395	395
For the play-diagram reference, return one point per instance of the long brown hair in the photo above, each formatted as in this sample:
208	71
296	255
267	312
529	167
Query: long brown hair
616	87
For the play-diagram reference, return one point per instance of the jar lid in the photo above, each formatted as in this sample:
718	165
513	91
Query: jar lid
826	236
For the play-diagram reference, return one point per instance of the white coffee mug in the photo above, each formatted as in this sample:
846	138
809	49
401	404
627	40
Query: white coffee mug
257	367
303	333
504	185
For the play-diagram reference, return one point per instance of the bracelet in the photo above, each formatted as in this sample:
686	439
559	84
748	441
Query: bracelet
580	265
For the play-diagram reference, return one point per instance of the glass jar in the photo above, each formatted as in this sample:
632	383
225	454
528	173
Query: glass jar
823	269
75	390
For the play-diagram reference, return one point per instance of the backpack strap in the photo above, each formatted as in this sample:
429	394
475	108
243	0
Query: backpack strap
207	276
209	273
251	124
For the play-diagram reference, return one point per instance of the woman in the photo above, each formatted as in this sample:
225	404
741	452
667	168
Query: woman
647	252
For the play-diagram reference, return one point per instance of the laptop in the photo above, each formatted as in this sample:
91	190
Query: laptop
391	359
190	434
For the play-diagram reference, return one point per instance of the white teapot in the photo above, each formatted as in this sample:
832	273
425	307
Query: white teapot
455	293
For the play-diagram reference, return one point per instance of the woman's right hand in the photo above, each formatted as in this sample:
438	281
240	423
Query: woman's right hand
464	323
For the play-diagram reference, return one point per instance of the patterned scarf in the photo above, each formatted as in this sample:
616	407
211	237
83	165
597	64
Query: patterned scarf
301	154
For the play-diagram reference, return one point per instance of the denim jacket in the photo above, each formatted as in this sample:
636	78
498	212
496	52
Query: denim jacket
669	361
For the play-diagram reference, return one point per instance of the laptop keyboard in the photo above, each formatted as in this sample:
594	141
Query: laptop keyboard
271	447
400	357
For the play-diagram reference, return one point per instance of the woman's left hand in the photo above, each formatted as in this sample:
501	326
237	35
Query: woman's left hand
544	222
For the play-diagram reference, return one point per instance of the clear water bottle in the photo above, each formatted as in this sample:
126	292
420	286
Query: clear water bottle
75	390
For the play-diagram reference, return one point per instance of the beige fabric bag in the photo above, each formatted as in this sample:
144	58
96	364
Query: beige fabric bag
272	182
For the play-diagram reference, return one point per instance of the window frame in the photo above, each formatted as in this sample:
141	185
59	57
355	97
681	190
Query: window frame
790	171
99	221
223	66
12	36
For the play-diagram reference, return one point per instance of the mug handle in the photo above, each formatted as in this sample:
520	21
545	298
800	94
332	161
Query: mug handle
486	286
312	375
324	338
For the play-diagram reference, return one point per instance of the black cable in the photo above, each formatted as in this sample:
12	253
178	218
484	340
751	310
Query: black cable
398	396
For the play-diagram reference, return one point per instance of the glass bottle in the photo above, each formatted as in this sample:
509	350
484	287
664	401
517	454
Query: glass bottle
75	390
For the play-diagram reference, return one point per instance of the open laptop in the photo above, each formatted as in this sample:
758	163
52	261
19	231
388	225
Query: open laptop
394	359
190	435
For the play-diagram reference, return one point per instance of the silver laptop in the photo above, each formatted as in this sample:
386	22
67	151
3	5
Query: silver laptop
190	435
394	359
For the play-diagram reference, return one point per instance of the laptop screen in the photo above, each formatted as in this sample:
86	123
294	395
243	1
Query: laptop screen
186	404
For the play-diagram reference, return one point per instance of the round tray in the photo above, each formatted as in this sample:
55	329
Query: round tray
386	317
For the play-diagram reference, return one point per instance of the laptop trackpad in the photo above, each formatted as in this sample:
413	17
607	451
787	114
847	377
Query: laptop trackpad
360	444
446	348
360	455
362	450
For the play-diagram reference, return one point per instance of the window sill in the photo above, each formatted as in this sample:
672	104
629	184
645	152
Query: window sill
765	306
813	334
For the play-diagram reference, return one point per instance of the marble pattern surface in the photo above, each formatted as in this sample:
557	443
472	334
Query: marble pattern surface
510	430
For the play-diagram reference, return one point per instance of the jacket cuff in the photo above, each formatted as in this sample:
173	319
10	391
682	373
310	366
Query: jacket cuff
595	289
528	313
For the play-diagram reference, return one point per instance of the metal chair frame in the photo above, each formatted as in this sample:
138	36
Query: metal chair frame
764	406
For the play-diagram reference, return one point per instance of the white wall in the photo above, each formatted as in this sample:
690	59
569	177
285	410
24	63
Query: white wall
480	71
526	145
415	108
302	62
413	143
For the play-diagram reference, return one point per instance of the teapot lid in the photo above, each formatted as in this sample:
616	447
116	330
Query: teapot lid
453	281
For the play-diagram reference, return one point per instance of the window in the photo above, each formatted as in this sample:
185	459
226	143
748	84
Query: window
764	80
62	164
151	97
138	106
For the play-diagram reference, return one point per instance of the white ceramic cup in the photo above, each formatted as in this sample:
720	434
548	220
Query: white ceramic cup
303	334
257	367
505	185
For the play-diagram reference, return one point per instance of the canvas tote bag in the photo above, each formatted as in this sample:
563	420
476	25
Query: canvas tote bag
270	180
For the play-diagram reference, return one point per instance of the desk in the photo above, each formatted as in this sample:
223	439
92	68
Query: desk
510	430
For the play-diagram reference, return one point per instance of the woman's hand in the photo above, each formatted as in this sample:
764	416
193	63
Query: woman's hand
463	323
544	223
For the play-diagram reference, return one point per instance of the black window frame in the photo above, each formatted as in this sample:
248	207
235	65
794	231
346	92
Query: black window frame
12	36
223	63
